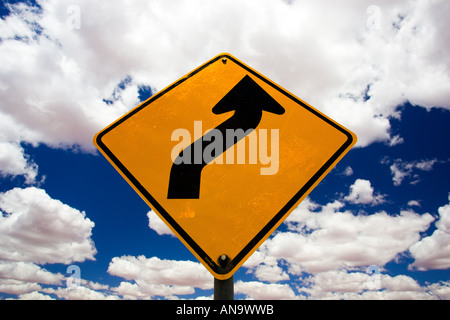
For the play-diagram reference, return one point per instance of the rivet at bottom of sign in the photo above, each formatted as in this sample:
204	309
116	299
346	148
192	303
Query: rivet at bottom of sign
223	260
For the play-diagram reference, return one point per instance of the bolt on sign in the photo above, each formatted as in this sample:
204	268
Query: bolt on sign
223	156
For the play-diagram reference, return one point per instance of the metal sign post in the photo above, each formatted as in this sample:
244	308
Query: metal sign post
224	289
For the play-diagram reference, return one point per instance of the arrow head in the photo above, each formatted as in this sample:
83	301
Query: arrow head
247	97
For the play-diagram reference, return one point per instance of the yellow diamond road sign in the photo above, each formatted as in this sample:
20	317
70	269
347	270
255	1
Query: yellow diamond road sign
223	156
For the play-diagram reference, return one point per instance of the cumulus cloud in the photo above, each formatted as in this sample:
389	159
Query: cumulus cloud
55	108
433	252
156	224
79	293
28	272
342	284
17	287
36	228
34	296
155	277
323	238
72	67
263	291
13	162
32	282
270	273
362	192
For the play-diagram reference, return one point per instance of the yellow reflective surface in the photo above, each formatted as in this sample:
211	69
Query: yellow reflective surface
236	201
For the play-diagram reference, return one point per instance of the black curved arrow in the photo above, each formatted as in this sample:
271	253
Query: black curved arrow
248	100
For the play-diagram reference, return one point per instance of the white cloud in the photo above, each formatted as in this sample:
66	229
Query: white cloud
270	273
414	203
30	281
79	293
348	171
330	239
395	140
441	289
342	284
433	252
263	291
54	77
34	296
28	272
17	287
156	224
397	174
322	284
93	285
144	290
362	192
405	169
45	97
36	228
13	162
156	277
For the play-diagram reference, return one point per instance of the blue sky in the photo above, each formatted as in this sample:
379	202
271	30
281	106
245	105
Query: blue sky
70	68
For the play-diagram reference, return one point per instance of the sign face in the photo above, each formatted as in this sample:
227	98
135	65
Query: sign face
223	156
